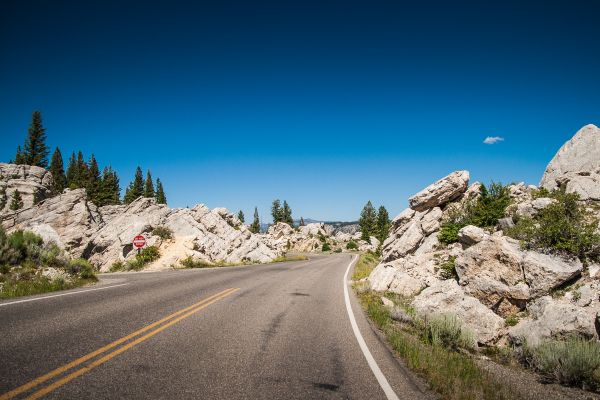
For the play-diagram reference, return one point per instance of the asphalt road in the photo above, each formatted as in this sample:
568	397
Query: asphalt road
277	331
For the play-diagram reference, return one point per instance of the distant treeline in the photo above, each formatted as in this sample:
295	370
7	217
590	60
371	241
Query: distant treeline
103	188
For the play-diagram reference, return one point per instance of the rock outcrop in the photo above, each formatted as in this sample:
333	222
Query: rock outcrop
487	276
576	166
104	235
31	182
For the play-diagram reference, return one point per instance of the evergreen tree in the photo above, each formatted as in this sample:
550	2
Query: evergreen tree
136	187
287	214
109	188
241	216
57	169
383	224
149	186
302	221
17	201
81	171
94	181
368	221
72	172
276	211
3	198
255	227
161	198
19	158
38	196
35	151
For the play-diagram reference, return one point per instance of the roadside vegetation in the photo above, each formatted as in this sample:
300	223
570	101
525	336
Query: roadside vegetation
30	266
145	257
484	212
191	262
365	264
565	227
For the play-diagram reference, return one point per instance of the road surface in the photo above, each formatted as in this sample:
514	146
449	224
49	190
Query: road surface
277	331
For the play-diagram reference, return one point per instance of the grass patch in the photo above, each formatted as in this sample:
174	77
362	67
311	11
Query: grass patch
41	284
430	349
366	263
286	257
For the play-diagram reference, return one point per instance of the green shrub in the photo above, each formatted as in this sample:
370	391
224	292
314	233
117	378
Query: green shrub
190	262
352	245
448	268
117	266
146	256
484	212
163	232
563	227
575	361
82	268
326	247
446	330
338	250
511	320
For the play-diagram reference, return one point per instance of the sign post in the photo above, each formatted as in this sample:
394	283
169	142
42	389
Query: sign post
138	242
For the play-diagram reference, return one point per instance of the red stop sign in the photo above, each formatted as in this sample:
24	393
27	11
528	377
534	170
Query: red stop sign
139	241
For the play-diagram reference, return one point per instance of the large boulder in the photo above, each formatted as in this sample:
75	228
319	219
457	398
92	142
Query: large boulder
576	165
29	180
406	243
441	192
447	297
491	271
556	318
68	219
544	272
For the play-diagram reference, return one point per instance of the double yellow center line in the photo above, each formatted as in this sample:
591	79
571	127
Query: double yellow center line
160	325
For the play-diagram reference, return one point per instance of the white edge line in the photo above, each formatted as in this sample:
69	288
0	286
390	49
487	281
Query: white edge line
61	294
383	382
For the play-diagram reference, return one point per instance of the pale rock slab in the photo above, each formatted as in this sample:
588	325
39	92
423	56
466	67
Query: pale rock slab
441	192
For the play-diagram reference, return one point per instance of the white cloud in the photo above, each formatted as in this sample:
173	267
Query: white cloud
493	139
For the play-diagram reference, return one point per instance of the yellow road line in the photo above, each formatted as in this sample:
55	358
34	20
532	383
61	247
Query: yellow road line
201	304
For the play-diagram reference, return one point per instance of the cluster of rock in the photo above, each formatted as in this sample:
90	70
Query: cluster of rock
497	280
311	237
104	235
33	183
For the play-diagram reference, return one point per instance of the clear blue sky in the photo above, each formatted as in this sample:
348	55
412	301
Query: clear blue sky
324	104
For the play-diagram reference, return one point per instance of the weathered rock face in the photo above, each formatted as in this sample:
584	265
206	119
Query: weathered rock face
495	276
448	297
203	234
104	235
441	192
560	318
576	165
68	219
28	180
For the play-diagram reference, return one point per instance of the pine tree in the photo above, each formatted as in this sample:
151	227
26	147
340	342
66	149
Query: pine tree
17	201
57	169
109	188
136	187
383	224
3	198
38	195
161	198
35	150
241	216
255	227
19	158
276	211
302	221
72	172
94	181
81	172
149	186
286	213
368	221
